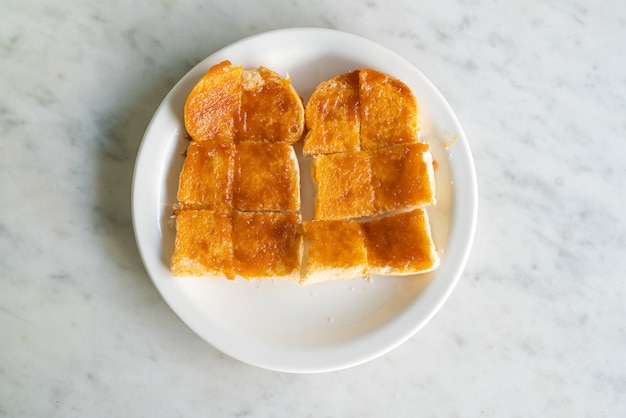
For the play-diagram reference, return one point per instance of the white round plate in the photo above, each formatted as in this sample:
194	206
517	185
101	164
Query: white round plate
281	325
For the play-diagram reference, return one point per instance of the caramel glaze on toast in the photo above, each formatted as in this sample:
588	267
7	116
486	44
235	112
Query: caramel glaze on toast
360	110
206	180
403	177
244	244
239	197
266	177
369	166
389	111
344	186
333	250
204	245
271	110
332	116
372	182
232	104
213	105
267	245
400	244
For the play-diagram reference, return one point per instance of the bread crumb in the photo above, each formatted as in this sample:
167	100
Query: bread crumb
251	80
450	143
171	222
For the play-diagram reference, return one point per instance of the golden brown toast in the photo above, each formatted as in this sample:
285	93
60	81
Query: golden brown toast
333	250
206	180
389	110
400	244
212	106
403	177
203	245
271	110
239	188
246	244
267	245
230	104
332	116
266	177
365	183
344	186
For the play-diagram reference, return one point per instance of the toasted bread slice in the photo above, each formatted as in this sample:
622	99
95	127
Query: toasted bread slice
400	244
266	177
334	250
332	116
389	110
403	177
344	186
213	105
271	109
267	245
203	245
205	181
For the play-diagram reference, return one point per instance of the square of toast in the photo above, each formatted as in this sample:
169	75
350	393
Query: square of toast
267	245
203	245
266	177
205	181
403	177
400	244
271	109
344	186
332	116
389	111
212	106
333	250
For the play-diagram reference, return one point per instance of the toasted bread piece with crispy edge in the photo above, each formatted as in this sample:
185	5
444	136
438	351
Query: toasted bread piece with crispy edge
212	106
400	244
267	245
389	110
332	116
203	245
334	250
403	177
266	177
206	180
344	186
271	109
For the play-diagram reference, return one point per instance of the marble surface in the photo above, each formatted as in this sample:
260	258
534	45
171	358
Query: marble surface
537	323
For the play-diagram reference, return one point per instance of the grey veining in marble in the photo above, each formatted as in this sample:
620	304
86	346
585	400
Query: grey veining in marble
537	324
